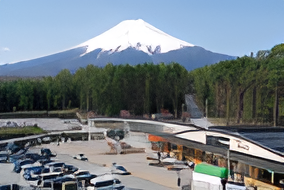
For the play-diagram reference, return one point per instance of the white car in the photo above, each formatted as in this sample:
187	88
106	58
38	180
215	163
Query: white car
42	177
106	181
80	157
118	169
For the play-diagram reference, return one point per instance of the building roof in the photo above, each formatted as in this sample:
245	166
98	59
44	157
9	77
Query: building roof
268	137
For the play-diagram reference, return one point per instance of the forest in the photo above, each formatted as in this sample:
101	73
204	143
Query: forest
141	89
245	90
248	89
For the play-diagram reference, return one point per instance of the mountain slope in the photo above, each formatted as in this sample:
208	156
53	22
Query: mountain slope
136	34
132	41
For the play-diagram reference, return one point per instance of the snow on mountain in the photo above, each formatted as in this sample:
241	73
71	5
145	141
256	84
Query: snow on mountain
137	34
131	41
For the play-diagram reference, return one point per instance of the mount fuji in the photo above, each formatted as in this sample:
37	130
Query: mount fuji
131	41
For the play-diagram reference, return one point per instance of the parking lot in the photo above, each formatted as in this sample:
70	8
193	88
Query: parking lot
99	162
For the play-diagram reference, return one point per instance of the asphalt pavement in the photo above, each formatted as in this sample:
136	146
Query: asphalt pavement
143	176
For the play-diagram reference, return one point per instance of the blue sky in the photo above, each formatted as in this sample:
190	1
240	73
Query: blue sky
35	28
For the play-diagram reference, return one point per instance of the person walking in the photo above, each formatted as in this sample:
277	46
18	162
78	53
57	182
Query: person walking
159	157
58	139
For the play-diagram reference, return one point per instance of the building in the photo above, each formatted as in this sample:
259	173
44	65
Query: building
254	156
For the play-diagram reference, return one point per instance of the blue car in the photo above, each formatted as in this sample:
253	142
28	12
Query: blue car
32	170
4	156
18	165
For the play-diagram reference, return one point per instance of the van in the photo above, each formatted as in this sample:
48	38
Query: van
60	183
207	177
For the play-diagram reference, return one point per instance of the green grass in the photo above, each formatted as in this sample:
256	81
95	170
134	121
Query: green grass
42	112
21	131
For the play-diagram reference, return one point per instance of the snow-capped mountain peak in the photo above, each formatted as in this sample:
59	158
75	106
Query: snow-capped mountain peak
137	34
130	42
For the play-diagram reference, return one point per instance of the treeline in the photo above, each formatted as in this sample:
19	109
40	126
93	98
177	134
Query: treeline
141	89
245	90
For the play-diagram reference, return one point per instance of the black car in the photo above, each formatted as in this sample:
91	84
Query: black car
33	156
47	152
9	187
44	161
84	175
70	169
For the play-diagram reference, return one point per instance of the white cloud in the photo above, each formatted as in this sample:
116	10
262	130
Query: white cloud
5	49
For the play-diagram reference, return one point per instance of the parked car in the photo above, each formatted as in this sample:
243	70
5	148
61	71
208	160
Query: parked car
106	181
70	169
80	157
18	164
9	187
54	167
30	172
84	175
12	147
46	140
60	183
116	134
26	166
4	156
44	161
20	155
118	169
33	156
42	178
55	164
47	152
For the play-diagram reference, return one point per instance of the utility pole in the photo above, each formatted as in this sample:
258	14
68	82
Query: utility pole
206	107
